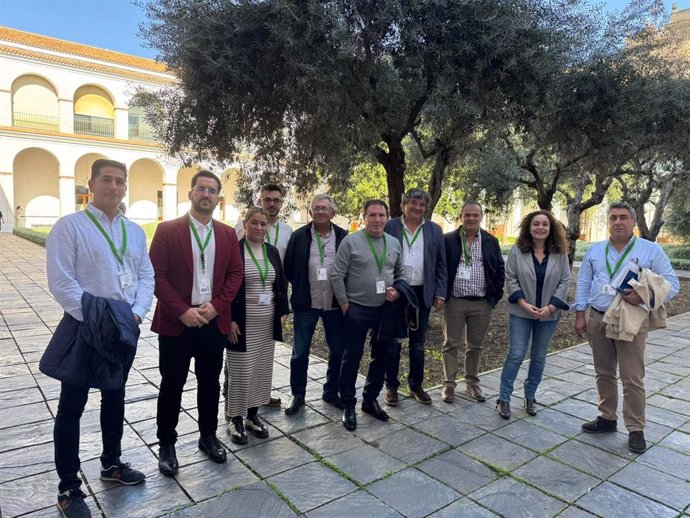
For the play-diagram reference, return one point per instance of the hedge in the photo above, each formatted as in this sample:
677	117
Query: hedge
31	235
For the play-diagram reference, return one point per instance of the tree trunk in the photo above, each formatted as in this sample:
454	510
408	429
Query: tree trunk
658	216
393	161
572	232
443	158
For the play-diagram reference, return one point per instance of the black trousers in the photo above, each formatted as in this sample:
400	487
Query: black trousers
66	432
416	350
205	344
358	321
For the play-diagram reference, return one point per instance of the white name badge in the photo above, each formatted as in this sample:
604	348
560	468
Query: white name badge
609	290
380	287
126	279
204	285
265	298
464	272
321	274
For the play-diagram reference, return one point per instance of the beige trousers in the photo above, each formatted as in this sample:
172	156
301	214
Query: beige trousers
464	327
609	354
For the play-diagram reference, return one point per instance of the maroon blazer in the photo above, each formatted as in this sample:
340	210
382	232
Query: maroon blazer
173	264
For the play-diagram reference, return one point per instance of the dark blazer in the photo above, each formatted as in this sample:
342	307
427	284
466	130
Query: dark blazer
97	352
400	315
494	267
435	271
296	265
239	305
173	264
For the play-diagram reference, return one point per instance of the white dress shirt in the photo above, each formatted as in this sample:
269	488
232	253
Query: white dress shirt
80	260
413	257
199	298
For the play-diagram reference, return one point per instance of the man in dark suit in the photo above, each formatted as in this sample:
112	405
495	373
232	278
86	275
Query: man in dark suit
308	264
476	273
424	257
198	272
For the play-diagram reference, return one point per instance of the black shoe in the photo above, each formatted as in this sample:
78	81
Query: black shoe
373	409
333	400
236	431
529	406
211	446
349	418
257	427
122	473
71	504
599	425
167	460
503	408
295	404
636	442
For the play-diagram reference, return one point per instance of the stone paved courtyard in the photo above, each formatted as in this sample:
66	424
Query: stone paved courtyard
459	460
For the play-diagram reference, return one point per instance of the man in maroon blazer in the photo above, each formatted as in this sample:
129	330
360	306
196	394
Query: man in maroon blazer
198	272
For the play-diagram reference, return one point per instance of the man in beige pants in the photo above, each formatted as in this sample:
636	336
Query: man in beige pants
594	295
476	273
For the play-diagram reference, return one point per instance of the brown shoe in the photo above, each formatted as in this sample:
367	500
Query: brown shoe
391	397
475	392
421	395
274	401
448	394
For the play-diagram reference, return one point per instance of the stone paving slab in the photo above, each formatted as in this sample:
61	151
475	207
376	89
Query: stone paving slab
441	460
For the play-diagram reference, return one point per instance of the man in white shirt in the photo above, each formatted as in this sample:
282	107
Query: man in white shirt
96	251
278	232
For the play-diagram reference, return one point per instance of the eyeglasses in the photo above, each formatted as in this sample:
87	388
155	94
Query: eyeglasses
201	190
321	209
274	201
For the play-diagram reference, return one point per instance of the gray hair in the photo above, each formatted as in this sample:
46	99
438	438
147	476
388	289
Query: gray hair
415	194
623	205
322	197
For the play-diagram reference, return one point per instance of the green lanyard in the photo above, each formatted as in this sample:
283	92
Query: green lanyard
380	260
465	248
268	235
321	246
202	248
620	261
414	238
118	255
263	274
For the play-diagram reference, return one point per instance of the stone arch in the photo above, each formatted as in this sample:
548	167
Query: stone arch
82	174
145	191
36	186
35	103
94	111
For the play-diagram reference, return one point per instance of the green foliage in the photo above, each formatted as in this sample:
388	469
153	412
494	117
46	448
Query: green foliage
677	252
366	181
31	235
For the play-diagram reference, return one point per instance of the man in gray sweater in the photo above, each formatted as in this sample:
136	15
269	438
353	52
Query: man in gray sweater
366	265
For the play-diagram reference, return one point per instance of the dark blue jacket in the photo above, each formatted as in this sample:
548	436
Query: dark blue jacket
400	315
95	353
494	267
296	265
435	272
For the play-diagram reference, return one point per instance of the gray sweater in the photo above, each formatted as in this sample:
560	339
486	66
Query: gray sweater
355	271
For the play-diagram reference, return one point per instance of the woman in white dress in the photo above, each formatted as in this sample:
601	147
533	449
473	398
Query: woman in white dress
258	314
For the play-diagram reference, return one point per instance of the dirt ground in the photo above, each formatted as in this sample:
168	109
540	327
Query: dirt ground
496	342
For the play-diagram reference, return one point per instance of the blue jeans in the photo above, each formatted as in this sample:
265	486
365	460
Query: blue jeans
520	329
305	322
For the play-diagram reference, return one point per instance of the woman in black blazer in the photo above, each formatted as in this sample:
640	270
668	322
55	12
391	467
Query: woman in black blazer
258	314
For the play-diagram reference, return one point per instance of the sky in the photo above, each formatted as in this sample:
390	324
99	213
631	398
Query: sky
112	24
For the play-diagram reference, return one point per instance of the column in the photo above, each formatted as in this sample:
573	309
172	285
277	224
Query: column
169	201
121	123
66	114
5	108
66	186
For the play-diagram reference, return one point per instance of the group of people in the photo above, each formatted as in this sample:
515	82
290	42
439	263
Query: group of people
222	299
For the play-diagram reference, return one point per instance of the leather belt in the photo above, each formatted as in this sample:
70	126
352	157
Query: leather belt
597	310
471	298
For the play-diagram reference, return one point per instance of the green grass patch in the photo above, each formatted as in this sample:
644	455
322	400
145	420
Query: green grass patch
284	498
31	235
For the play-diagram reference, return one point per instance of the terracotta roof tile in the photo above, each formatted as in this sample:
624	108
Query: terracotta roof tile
77	49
